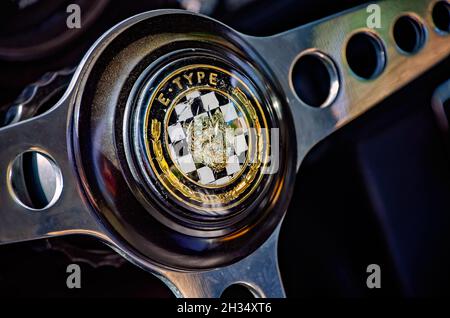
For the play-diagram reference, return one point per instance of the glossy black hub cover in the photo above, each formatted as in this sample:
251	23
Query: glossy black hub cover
181	140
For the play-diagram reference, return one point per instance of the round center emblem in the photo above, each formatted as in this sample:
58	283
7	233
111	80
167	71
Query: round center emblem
208	136
205	136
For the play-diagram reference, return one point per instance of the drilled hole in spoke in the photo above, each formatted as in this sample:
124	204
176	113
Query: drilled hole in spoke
409	34
35	180
315	79
237	291
365	55
441	16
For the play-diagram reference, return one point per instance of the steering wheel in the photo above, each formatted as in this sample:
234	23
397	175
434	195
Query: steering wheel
178	139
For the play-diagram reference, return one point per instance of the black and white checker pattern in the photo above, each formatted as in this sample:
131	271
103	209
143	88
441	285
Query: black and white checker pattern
207	103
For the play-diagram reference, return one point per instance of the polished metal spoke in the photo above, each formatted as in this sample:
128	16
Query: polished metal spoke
258	272
356	95
67	214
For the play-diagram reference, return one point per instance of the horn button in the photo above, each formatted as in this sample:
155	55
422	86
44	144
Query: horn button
179	146
200	138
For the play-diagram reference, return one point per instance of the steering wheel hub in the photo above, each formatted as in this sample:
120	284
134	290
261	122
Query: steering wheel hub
200	135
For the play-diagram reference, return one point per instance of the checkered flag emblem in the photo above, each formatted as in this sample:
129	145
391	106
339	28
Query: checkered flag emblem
208	137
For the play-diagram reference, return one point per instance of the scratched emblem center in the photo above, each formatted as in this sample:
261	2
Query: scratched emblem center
206	136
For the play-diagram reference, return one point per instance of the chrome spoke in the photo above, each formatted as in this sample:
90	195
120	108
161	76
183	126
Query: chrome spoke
65	213
356	95
258	272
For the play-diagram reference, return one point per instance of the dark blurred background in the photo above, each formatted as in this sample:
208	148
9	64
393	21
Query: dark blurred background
378	191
